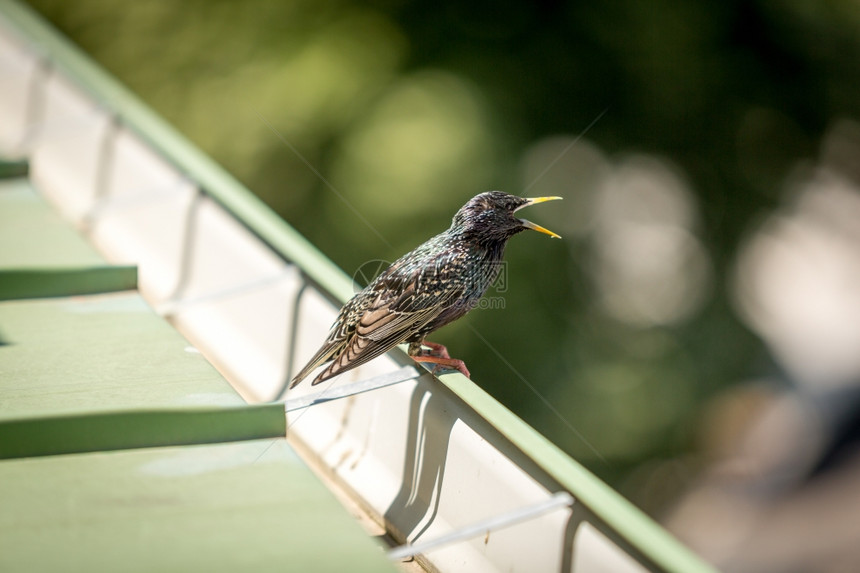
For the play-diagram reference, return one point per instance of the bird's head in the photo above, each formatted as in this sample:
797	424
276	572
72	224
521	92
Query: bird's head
490	216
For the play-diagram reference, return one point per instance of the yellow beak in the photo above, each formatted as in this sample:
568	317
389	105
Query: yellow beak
533	226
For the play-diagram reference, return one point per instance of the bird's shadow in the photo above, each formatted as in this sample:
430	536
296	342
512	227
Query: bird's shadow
423	465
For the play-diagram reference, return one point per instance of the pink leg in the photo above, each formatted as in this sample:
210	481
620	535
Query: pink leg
448	362
436	349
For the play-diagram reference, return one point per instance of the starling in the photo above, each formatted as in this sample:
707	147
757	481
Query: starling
426	289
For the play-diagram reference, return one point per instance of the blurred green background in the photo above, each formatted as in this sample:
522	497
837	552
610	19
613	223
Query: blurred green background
670	129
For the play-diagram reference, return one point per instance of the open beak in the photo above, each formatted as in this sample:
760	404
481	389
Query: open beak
529	224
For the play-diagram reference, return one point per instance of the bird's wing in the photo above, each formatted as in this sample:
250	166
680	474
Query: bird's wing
334	343
394	315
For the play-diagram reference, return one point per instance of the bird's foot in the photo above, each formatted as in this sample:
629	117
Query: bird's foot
443	363
436	349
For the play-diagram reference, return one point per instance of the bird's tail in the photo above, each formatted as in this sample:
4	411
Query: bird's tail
323	355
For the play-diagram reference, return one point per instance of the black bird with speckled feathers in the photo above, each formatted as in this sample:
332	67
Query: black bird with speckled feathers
426	289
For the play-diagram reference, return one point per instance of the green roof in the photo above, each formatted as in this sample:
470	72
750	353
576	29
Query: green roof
83	372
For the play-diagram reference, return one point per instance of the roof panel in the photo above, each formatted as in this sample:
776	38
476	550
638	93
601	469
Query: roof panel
34	235
226	507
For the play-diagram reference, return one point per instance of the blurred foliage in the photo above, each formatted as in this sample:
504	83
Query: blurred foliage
366	125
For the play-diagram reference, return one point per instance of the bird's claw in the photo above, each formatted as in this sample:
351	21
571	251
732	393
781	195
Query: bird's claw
444	364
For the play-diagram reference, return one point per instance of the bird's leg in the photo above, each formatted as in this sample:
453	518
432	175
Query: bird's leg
437	355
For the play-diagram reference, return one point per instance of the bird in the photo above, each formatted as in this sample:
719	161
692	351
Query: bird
431	286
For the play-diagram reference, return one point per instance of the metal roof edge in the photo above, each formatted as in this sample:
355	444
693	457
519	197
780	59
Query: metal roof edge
53	282
640	531
630	523
130	429
11	168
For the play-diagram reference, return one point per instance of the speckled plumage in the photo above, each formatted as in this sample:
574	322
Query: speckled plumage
427	288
